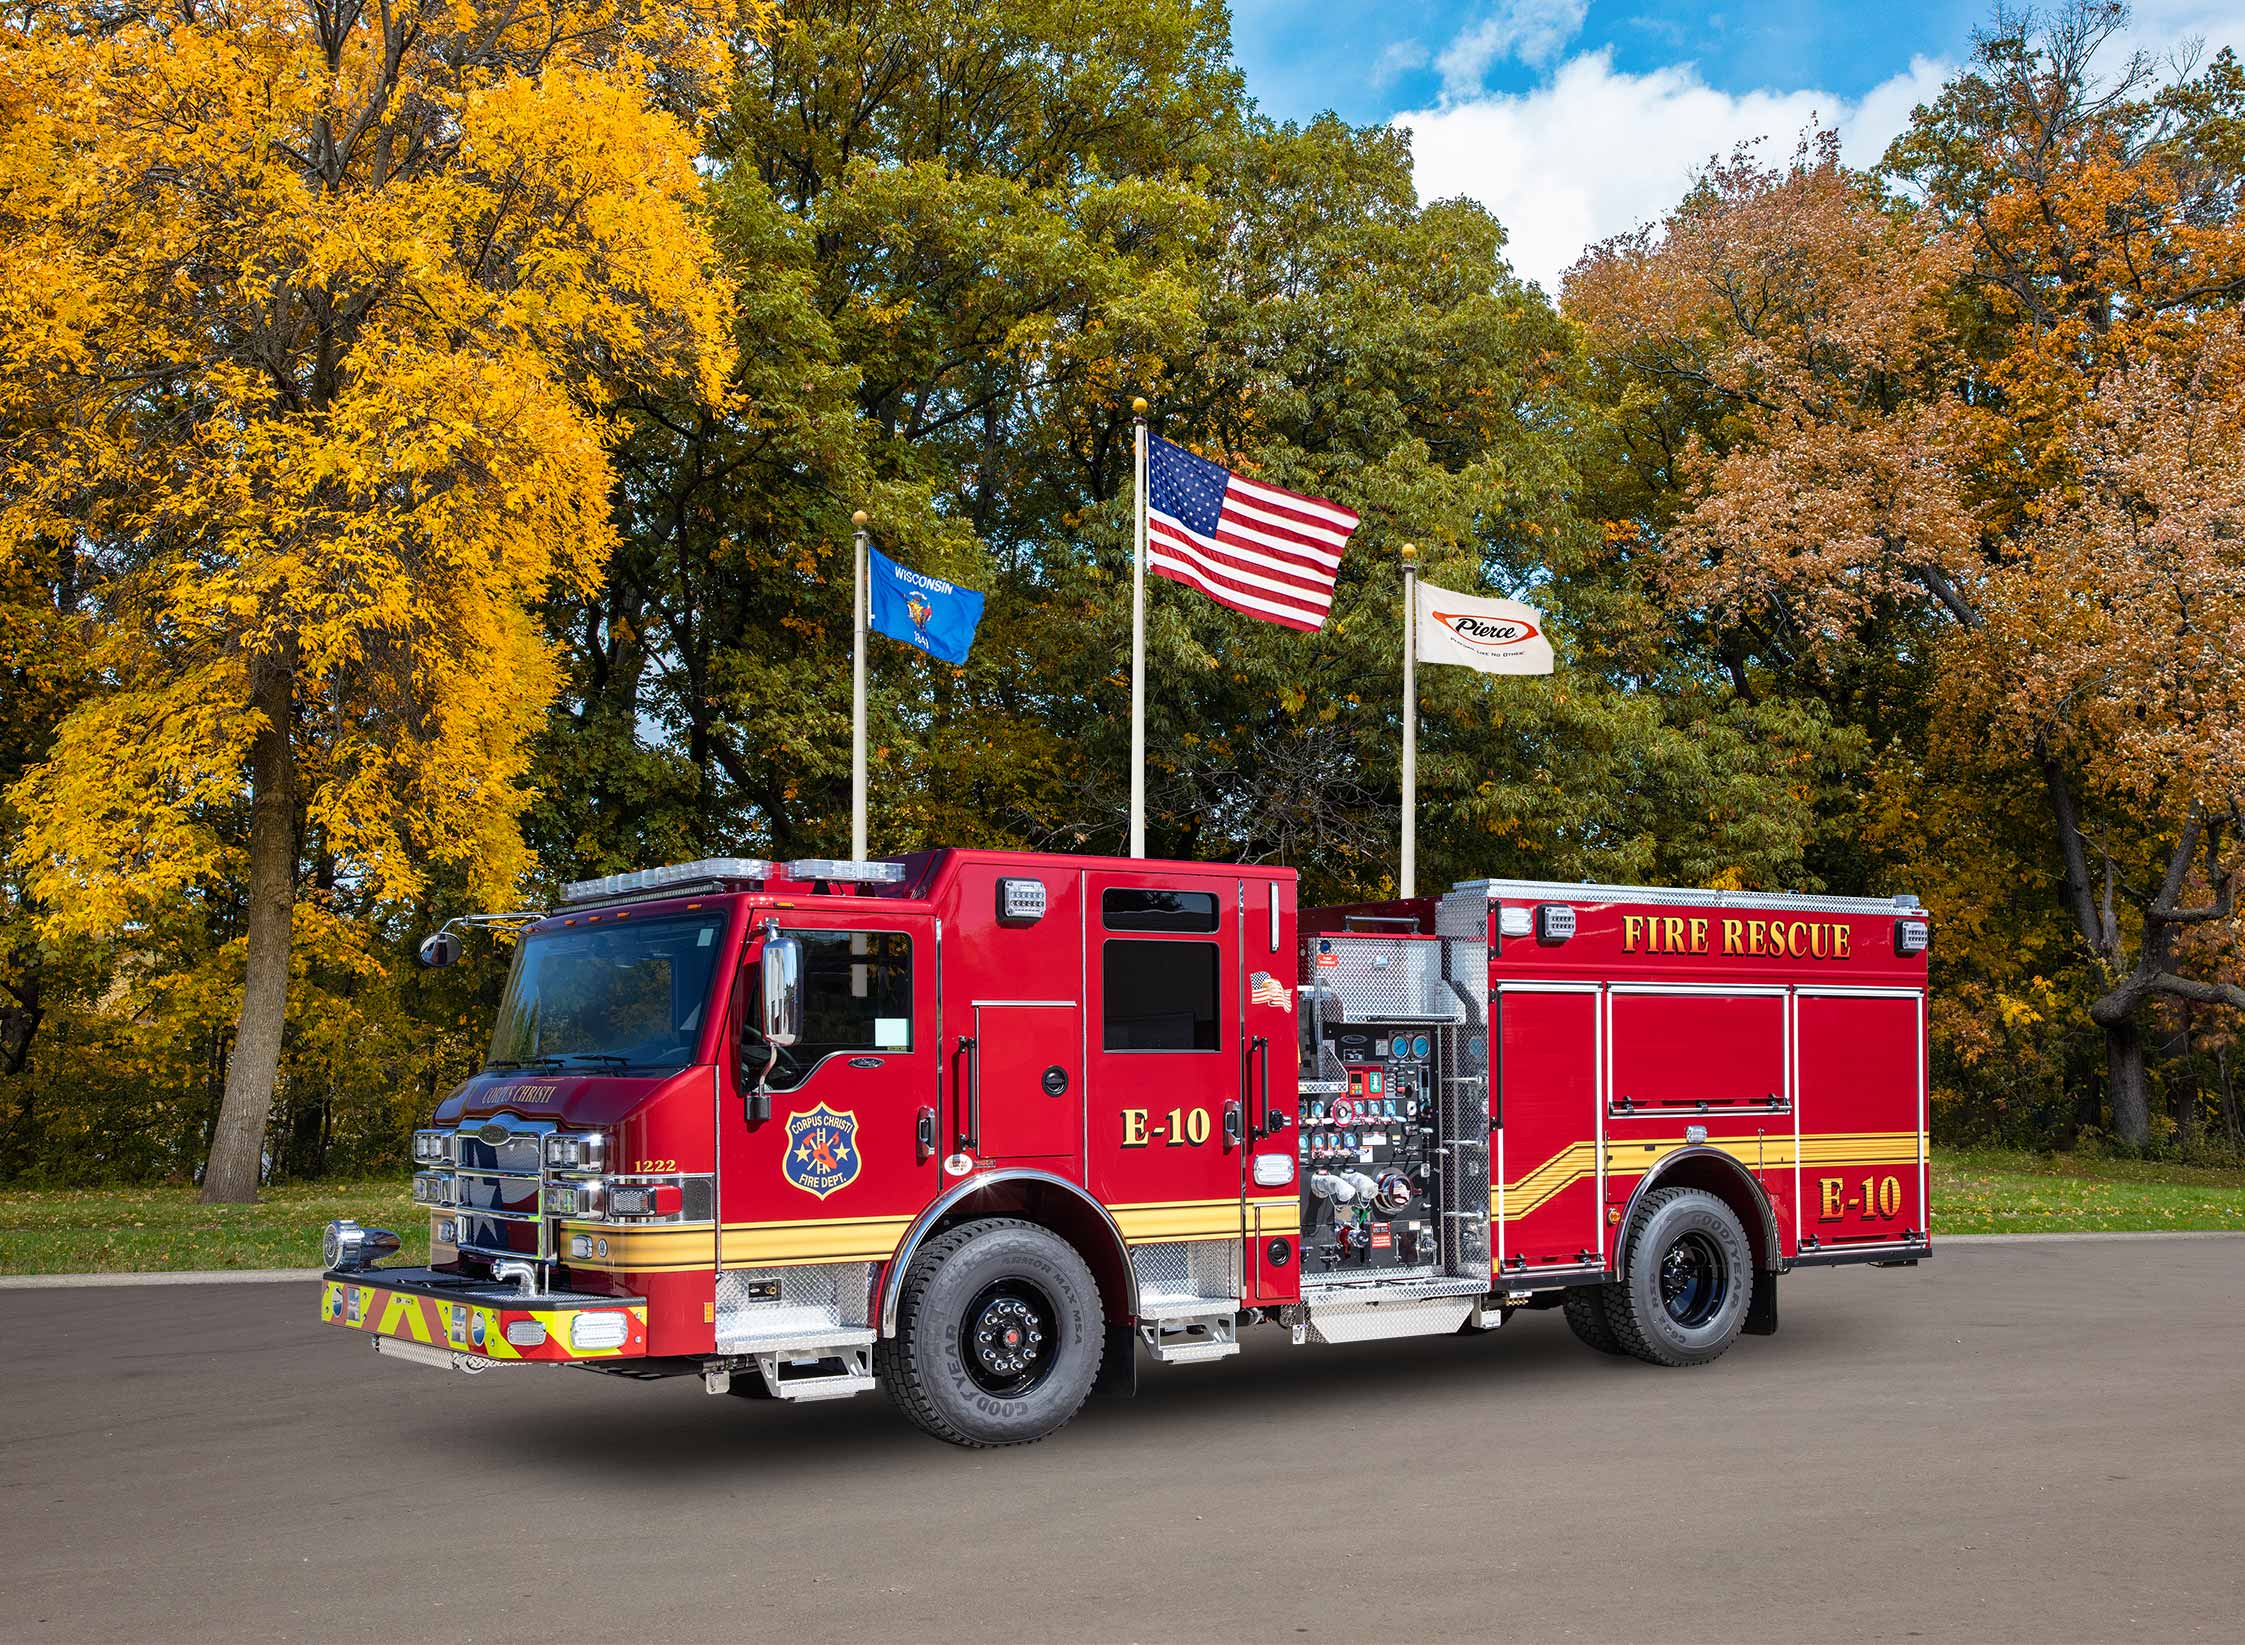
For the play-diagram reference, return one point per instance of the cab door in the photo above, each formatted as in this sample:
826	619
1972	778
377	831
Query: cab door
847	1156
1168	1075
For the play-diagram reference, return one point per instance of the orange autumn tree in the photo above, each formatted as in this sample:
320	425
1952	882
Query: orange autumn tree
2113	647
312	317
2095	197
1879	407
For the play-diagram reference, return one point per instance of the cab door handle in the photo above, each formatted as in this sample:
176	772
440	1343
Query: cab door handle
968	1127
1261	1052
924	1133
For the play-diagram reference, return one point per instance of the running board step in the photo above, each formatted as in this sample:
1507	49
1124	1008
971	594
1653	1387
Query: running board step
1189	1341
806	1376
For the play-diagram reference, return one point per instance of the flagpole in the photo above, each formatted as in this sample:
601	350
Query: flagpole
1410	721
858	594
1138	637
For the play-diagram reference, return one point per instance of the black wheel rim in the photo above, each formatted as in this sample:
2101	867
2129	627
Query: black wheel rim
1012	1335
1694	1280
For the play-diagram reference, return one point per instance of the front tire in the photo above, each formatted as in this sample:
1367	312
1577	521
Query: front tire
1689	1276
999	1335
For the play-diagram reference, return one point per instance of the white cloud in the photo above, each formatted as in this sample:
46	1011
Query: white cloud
1533	31
1594	152
1397	58
2159	26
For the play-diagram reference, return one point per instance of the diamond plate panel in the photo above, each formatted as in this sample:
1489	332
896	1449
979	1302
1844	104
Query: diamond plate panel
1375	1320
792	1303
1383	979
1174	1273
1461	920
1462	1113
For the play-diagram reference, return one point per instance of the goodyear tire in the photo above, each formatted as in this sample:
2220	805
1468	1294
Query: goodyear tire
1689	1276
999	1335
1585	1308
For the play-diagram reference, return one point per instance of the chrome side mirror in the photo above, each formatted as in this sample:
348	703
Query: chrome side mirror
783	990
440	948
779	1014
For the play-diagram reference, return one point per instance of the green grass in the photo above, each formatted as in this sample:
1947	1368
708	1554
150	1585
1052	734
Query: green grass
1991	1192
145	1230
139	1230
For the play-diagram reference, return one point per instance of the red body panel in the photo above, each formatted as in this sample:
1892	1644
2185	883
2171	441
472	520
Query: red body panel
1786	1037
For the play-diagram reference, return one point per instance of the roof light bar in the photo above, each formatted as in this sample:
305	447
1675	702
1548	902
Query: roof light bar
655	879
840	868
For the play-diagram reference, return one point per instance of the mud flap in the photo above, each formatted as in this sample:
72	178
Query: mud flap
1118	1367
1761	1308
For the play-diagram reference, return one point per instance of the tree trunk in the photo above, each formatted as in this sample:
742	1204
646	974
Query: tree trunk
238	1146
2124	1080
2183	1090
2229	1099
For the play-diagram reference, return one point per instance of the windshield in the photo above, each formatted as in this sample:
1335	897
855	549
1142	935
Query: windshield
628	995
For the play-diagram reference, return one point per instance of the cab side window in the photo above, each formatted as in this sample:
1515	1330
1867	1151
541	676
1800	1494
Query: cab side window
857	996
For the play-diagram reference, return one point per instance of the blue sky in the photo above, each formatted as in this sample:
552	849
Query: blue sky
1576	119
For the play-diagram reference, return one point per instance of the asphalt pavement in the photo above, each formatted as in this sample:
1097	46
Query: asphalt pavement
2038	1442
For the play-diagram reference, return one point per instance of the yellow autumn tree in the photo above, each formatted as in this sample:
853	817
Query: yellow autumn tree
312	320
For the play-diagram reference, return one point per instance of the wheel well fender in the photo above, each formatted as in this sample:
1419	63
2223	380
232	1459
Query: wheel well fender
1040	1197
1717	1173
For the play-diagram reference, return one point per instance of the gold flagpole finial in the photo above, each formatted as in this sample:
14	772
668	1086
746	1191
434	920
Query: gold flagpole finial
859	518
1410	551
1138	407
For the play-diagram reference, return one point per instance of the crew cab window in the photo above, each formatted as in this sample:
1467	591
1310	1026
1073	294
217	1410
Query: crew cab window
857	996
1132	908
1159	996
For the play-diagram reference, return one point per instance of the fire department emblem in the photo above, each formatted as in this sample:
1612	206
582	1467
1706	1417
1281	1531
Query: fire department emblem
821	1151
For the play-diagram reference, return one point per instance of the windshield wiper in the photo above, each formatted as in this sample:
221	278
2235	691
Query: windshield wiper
607	1057
502	1063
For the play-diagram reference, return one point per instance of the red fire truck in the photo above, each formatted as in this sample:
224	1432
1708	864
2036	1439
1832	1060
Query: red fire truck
979	1125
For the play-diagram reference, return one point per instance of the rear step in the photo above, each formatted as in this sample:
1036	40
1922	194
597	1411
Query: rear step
804	1375
1189	1341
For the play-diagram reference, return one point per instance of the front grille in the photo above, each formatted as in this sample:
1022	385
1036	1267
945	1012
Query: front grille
499	1202
499	1182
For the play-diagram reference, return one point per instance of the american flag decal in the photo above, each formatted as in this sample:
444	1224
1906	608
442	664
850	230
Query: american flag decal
1265	989
1269	553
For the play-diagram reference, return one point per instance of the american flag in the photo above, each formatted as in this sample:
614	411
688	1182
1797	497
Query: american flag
1272	554
1265	989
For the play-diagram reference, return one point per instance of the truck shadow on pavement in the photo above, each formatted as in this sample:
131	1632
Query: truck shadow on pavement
654	1435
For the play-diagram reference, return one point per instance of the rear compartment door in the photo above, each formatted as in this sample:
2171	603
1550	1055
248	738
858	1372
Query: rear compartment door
1698	1066
1549	1171
1860	1070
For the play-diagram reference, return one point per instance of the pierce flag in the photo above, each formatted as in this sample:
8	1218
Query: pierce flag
1494	636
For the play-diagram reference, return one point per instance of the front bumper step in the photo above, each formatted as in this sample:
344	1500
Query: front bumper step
453	1319
437	1359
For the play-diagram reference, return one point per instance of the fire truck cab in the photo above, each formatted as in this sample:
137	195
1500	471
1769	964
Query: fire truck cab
979	1126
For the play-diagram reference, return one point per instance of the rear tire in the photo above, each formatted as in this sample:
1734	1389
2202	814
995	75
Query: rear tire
999	1335
1689	1276
1585	1308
